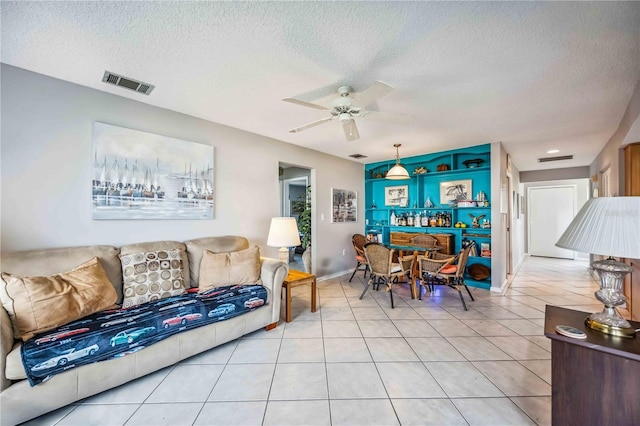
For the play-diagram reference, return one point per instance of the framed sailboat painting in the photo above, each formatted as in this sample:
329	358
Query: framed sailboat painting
141	175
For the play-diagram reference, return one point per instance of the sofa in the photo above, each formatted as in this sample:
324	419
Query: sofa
19	401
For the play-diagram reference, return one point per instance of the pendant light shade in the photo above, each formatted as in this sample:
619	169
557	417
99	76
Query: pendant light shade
397	172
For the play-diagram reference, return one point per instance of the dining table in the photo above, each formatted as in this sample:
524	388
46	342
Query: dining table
415	250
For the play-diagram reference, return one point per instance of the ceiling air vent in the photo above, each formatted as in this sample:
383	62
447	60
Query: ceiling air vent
127	83
357	156
562	157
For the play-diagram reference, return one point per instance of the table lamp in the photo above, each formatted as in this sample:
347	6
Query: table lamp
283	233
608	226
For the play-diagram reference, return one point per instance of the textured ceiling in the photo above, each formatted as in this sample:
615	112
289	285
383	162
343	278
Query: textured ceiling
533	75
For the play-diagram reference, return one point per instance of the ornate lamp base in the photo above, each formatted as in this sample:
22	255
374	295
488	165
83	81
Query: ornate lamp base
627	332
611	274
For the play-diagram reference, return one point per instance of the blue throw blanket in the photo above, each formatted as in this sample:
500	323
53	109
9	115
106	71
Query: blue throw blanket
119	332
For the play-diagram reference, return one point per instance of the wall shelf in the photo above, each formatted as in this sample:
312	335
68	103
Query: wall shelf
428	185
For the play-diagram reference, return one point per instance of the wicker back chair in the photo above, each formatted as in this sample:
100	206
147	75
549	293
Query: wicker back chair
424	240
358	241
383	270
444	272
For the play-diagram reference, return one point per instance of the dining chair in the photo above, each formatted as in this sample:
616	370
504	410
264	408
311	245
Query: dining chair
423	240
383	269
359	241
443	271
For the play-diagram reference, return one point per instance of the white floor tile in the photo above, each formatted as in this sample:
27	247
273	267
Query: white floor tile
378	328
462	379
414	328
165	414
390	349
302	350
244	382
350	349
297	413
408	380
299	381
89	415
513	379
354	380
536	407
340	329
427	412
363	412
187	383
252	352
491	412
240	413
434	349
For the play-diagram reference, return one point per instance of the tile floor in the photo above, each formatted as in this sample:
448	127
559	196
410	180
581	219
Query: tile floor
358	362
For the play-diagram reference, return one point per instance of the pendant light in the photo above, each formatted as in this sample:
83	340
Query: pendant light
397	172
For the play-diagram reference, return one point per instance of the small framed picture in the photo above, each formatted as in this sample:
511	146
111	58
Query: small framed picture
394	195
345	205
455	190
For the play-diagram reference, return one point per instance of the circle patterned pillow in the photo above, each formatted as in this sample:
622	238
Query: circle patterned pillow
151	276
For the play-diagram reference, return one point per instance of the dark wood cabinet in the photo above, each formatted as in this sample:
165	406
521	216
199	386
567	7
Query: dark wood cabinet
595	381
632	169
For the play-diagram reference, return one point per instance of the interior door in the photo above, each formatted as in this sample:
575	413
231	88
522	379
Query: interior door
551	210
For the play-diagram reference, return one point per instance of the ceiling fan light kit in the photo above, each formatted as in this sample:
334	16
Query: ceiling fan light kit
397	172
346	108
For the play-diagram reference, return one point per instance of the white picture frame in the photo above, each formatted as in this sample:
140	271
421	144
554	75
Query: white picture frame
396	195
455	190
344	206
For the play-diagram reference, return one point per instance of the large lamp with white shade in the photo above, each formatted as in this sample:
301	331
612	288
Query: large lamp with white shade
608	226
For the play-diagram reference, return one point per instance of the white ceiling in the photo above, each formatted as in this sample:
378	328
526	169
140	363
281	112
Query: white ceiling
533	75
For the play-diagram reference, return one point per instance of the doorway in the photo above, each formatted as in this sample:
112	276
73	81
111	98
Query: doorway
551	210
295	190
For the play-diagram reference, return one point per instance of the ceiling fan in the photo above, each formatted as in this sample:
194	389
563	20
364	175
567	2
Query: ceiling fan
346	109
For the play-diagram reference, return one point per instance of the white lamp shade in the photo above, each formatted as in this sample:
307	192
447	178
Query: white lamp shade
608	226
283	232
398	172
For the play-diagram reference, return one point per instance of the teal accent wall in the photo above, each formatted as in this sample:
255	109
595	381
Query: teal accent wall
430	185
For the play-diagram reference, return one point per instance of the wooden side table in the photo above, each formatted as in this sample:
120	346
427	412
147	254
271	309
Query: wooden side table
294	279
593	381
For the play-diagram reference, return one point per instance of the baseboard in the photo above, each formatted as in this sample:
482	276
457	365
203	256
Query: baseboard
334	275
519	264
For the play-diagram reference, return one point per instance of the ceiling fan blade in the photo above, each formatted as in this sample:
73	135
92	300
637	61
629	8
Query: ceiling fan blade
312	124
371	94
388	116
350	130
307	104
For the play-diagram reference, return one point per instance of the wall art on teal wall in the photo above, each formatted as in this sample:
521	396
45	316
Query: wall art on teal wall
141	175
396	195
455	190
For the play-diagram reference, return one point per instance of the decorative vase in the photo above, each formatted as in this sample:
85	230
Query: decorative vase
306	260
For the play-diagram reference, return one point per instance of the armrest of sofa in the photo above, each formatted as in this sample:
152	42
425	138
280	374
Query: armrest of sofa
272	273
6	344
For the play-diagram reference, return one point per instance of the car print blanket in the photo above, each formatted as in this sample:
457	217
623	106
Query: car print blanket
119	332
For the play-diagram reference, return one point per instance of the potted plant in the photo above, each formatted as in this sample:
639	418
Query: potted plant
304	226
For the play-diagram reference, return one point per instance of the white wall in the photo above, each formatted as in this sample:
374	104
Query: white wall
46	159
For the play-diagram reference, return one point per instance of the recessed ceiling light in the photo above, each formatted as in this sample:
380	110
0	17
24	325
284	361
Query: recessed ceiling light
553	151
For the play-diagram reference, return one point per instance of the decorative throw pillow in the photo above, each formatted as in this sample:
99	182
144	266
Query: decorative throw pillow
39	304
237	267
151	276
